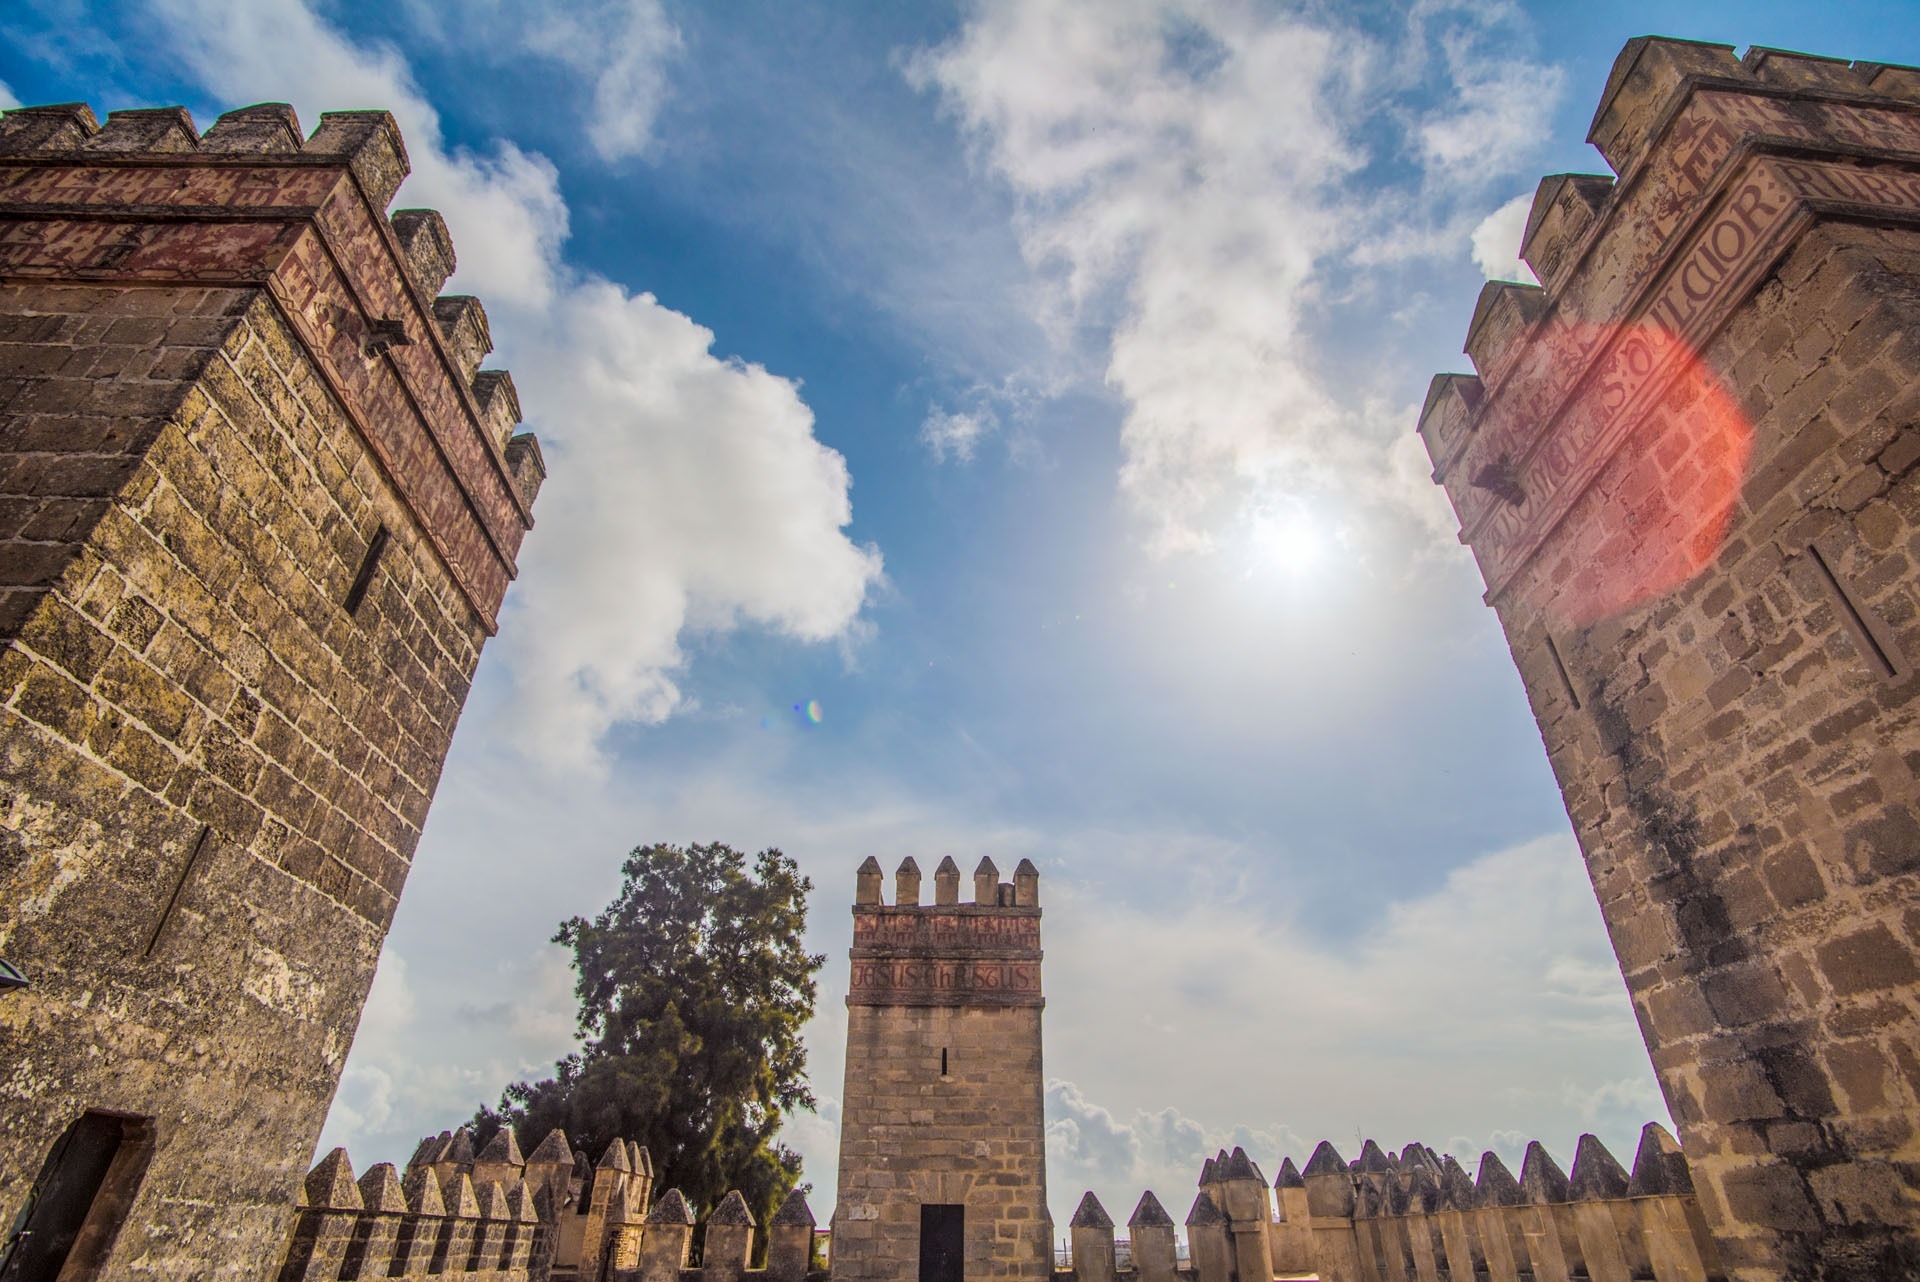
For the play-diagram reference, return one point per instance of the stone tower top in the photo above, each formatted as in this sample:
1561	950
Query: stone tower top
986	953
145	201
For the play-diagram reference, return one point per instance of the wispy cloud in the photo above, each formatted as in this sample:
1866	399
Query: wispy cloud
1194	180
687	489
7	100
953	436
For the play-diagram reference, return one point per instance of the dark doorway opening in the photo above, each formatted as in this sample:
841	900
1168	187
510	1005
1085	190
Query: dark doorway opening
943	1232
83	1194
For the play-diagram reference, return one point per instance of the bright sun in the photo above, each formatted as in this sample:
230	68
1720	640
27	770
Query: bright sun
1286	541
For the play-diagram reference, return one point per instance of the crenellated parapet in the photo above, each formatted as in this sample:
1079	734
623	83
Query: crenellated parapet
985	953
145	199
1417	1216
492	1216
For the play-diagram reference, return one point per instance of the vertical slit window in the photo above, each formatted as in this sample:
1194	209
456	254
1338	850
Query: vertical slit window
1871	636
943	1061
368	565
180	884
1566	677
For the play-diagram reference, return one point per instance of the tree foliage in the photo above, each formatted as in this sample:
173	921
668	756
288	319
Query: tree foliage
693	988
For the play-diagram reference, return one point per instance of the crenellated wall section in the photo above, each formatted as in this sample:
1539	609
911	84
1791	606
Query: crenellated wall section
494	1216
1415	1216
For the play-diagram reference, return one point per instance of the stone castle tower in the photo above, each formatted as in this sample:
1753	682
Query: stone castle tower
942	1137
257	514
1687	470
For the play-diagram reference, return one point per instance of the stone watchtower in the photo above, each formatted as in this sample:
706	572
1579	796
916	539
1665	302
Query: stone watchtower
257	514
942	1140
1687	470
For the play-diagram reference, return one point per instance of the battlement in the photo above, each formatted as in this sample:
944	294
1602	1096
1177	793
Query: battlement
494	1216
989	892
1714	185
1389	1216
986	953
145	199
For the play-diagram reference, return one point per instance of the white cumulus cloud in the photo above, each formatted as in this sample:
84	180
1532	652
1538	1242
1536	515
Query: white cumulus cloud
687	490
1496	242
1195	179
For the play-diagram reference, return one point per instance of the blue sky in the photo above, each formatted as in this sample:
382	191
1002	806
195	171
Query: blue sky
1028	383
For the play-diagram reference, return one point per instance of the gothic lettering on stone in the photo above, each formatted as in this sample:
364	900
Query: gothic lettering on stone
946	932
916	981
1721	257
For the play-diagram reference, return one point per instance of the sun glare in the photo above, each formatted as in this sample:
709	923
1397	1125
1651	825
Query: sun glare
1288	542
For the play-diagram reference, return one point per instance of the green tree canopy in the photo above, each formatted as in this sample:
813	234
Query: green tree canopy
693	988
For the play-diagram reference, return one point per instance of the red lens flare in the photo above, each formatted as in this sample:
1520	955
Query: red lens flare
1658	512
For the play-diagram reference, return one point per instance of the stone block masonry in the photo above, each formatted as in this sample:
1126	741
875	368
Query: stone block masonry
942	1134
1687	471
258	509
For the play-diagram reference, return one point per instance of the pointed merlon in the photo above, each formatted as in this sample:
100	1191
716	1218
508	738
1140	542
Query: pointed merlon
457	1192
906	884
1209	1172
866	882
1496	1185
1289	1177
1368	1203
1205	1211
1456	1186
422	1191
794	1211
460	1151
671	1209
908	867
1090	1215
946	883
615	1158
1326	1160
1596	1175
1026	885
380	1189
633	1157
430	1148
1423	1187
986	882
552	1149
503	1147
1372	1160
644	1164
1541	1178
732	1210
1658	1166
493	1201
520	1204
330	1183
1148	1212
1241	1167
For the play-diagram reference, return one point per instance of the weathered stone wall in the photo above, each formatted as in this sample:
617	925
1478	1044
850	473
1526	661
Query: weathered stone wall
212	773
1686	470
958	983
